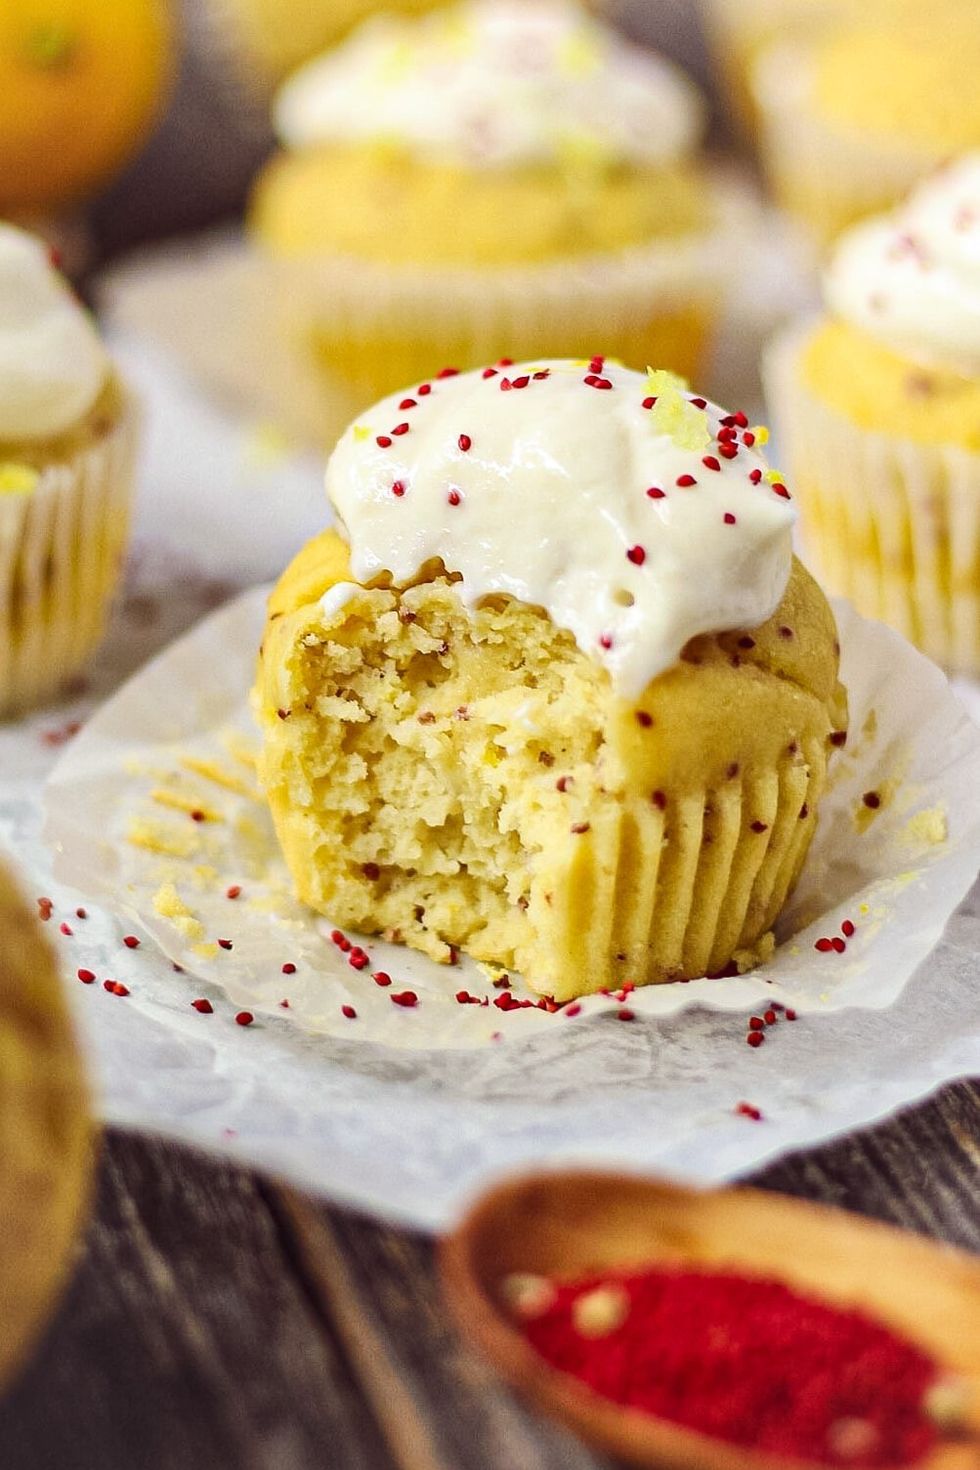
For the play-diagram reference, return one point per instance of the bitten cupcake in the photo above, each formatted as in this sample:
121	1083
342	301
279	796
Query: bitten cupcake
507	175
67	439
879	405
854	115
557	695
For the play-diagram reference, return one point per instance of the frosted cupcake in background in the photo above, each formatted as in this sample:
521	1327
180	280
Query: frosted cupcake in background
739	30
505	176
856	113
67	439
878	405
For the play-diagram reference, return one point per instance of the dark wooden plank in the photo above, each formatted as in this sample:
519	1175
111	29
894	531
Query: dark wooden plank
185	1340
208	1327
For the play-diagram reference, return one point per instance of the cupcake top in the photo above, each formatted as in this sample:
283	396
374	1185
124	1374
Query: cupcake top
495	83
52	363
912	279
636	514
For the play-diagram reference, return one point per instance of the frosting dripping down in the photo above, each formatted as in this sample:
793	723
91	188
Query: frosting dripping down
912	279
636	514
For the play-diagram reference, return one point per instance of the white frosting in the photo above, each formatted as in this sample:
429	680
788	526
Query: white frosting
912	280
540	492
491	83
52	363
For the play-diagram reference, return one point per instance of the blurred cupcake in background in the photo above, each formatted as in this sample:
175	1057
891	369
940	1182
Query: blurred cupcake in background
507	176
878	406
67	438
739	30
853	115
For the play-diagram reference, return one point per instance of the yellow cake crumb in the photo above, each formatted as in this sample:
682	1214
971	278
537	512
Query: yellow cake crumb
169	905
930	826
194	806
212	770
163	838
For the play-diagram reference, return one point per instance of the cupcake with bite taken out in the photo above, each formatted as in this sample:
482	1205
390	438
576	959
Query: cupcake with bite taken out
878	403
555	693
67	442
503	176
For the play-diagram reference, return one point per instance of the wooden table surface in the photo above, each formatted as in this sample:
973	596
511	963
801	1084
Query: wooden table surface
216	1321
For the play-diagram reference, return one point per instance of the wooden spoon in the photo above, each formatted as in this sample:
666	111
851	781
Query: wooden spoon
570	1225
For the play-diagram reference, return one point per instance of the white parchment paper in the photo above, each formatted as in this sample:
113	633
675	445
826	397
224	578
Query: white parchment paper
411	1130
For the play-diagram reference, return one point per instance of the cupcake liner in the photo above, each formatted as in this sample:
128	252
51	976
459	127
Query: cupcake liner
683	890
892	524
369	329
826	175
61	549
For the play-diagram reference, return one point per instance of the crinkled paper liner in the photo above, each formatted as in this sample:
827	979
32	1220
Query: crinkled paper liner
827	176
368	329
407	1111
891	524
61	550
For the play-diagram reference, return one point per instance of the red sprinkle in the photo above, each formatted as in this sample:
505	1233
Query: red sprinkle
244	1018
824	946
573	1010
755	476
748	439
769	1017
382	978
289	968
685	481
605	641
234	891
66	928
779	489
729	518
655	493
407	403
400	429
81	914
756	1023
131	942
594	381
424	390
838	945
44	908
349	1012
448	372
383	441
406	998
699	402
636	555
649	402
789	1014
710	463
204	1006
847	928
746	1110
454	497
489	372
644	718
625	1014
465	442
398	489
755	1038
197	815
86	976
728	451
225	944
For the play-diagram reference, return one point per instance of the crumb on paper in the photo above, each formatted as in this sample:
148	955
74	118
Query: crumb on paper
164	837
245	752
205	951
192	804
211	770
873	802
169	905
870	727
929	826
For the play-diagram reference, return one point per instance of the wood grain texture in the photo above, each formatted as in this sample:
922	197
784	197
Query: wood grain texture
207	1330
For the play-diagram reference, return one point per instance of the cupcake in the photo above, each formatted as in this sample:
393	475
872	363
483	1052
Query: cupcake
739	30
556	694
878	403
852	117
508	175
67	432
45	1130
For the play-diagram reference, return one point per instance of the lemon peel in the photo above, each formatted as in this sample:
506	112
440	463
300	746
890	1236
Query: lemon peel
673	414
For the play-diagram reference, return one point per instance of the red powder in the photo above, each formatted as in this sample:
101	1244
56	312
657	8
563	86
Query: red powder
750	1361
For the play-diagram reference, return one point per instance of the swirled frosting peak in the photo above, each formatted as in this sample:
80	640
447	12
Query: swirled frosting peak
52	363
494	83
635	513
912	279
